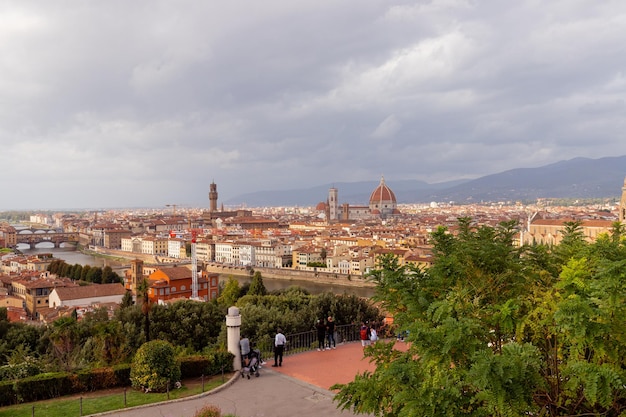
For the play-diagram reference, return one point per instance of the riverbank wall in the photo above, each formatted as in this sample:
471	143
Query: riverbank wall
293	275
285	274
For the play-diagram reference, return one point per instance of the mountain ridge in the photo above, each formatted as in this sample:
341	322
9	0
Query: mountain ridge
580	178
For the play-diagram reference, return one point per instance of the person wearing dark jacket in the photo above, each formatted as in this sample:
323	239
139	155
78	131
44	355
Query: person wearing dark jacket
330	333
321	334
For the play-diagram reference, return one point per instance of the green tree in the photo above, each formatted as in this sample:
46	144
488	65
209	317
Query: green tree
77	272
143	292
107	275
497	330
198	324
230	293
256	285
65	338
85	272
154	367
94	275
127	300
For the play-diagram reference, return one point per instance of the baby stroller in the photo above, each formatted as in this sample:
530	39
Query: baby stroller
251	364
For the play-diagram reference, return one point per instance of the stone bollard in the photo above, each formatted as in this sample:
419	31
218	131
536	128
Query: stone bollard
233	330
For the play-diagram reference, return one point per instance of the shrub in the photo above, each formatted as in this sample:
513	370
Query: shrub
220	361
97	379
20	370
208	411
44	386
7	395
194	366
122	374
154	366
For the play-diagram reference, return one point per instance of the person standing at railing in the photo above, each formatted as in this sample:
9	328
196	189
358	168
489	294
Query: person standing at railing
364	334
373	334
321	334
330	333
279	347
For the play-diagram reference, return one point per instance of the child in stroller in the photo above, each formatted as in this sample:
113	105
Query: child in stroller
251	363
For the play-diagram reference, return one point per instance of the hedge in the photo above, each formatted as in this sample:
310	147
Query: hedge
102	378
51	385
7	393
212	364
44	386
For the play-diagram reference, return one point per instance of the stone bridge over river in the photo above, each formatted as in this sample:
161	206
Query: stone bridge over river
32	237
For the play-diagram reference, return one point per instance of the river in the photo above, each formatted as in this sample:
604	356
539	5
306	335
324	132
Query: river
72	256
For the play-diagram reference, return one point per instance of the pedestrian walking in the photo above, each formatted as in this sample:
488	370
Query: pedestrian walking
279	347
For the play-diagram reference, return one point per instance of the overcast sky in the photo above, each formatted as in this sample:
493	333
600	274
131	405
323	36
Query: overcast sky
123	103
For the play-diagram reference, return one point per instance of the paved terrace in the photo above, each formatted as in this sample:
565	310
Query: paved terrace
299	388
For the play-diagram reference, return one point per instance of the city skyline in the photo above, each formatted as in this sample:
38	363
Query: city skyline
144	104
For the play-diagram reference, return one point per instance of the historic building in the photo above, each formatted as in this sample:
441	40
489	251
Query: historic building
170	283
383	201
213	213
382	204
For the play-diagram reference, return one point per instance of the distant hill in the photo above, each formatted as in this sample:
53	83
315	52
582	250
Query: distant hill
579	178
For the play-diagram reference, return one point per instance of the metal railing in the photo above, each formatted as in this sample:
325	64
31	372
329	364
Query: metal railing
305	341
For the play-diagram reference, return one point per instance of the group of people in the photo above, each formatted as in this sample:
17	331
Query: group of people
325	334
248	353
325	338
367	334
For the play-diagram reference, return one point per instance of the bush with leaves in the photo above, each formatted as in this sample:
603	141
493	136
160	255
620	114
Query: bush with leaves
499	330
209	411
154	367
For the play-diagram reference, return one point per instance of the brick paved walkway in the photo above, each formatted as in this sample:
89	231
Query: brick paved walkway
326	368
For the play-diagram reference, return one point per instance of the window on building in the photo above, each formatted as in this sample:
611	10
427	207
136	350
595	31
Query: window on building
173	289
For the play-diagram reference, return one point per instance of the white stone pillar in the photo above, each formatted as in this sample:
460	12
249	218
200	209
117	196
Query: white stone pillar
233	327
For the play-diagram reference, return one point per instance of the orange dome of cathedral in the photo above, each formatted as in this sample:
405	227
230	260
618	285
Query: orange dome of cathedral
382	194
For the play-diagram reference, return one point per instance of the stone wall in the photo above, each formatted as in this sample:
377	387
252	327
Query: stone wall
293	274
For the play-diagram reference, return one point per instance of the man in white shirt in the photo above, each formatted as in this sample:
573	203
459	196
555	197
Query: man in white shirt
279	347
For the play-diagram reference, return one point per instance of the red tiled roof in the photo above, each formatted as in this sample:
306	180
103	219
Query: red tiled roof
382	193
90	291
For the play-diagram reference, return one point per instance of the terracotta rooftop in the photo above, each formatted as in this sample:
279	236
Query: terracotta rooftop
90	291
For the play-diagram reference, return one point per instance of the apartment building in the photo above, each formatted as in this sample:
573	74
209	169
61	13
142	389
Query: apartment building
361	265
305	255
113	238
247	253
227	252
273	254
205	250
167	284
35	290
176	248
154	246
